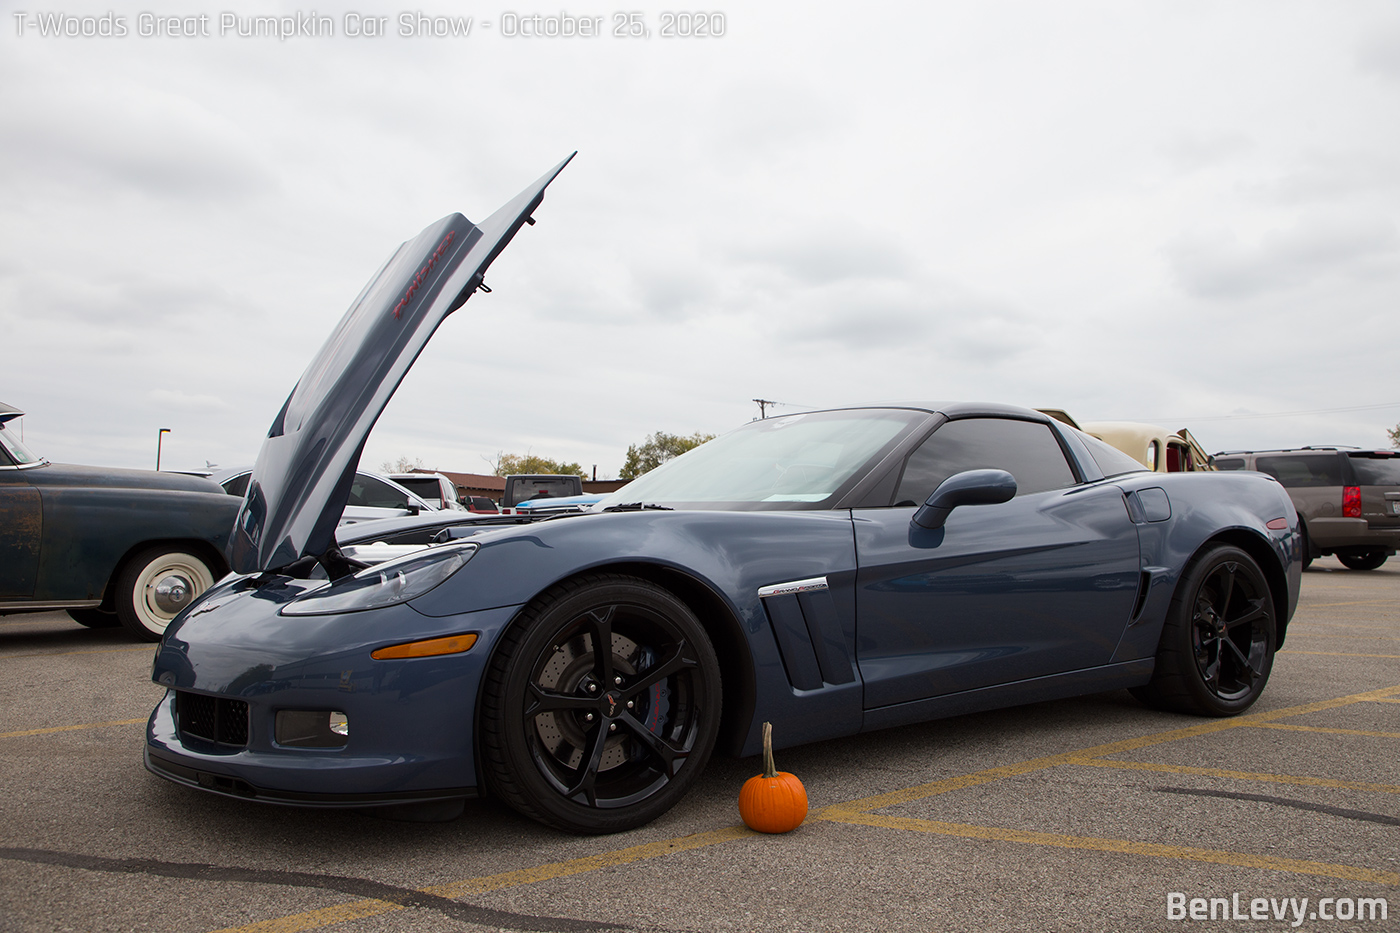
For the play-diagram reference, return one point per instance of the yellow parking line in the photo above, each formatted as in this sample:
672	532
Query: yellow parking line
1124	846
86	725
1331	731
355	910
1327	635
1349	602
1298	779
855	811
919	792
1340	654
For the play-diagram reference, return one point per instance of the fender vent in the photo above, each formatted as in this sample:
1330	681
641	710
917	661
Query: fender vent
213	719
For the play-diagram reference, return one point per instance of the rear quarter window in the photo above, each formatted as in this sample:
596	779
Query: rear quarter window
1376	471
1303	469
1229	463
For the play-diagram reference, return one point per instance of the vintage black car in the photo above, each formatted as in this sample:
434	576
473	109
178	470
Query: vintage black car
110	546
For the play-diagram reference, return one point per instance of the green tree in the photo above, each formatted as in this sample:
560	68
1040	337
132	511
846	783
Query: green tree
656	450
1394	435
508	464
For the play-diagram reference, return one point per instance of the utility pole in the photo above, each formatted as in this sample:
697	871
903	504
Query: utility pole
763	404
160	436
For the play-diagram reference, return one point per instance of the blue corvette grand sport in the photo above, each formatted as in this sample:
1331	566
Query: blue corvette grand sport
831	572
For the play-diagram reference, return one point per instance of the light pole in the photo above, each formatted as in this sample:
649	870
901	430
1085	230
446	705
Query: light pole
160	436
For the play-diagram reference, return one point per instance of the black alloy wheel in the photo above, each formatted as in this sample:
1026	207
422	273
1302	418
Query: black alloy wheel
1217	645
1362	558
601	705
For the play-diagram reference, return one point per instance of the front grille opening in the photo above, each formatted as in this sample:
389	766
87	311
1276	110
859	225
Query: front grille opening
214	719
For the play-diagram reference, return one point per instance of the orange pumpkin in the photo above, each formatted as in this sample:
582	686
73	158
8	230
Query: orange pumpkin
774	801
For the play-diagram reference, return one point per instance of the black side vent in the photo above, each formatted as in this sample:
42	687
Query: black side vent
809	638
213	719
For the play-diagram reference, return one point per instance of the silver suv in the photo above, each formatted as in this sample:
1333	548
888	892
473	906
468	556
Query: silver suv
1348	500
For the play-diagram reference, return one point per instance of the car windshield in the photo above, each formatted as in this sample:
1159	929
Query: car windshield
793	462
425	487
18	453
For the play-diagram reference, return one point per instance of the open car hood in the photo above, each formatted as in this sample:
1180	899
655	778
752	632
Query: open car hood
302	477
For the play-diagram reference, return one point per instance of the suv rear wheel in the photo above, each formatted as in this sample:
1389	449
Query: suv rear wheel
1362	558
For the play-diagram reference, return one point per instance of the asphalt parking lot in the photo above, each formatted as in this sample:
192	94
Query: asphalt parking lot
1086	814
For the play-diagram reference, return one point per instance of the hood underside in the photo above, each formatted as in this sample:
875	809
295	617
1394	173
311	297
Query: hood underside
301	481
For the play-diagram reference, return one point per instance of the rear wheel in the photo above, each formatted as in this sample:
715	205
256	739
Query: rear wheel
1306	545
1362	559
155	585
1217	646
601	705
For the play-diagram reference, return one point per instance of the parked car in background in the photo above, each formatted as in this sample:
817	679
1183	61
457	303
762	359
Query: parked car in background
433	488
1151	445
109	546
829	572
559	504
372	497
1348	500
481	505
522	487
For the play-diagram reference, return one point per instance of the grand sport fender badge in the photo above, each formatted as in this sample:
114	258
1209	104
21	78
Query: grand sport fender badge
422	275
809	585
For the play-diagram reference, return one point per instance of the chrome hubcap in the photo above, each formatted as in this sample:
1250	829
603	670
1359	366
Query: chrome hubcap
171	593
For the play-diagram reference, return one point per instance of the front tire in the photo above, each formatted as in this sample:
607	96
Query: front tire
1362	559
592	741
155	585
1217	646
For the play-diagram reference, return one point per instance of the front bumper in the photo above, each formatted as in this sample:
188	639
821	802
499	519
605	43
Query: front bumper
295	777
411	721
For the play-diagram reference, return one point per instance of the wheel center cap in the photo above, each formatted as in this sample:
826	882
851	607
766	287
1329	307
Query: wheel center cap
612	704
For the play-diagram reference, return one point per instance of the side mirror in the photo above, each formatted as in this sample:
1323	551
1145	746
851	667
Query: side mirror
971	487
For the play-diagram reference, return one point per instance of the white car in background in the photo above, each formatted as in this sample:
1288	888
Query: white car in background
372	496
433	488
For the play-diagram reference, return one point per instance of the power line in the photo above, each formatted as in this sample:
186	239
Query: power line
1279	414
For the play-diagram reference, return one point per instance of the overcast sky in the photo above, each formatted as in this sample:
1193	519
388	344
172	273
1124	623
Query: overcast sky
1181	212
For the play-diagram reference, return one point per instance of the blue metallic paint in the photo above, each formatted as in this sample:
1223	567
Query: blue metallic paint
1046	595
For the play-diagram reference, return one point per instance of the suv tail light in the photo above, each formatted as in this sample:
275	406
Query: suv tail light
1351	501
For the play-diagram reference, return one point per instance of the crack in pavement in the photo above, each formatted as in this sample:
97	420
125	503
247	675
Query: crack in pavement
1287	802
356	887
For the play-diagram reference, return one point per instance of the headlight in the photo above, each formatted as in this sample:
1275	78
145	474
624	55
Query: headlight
386	584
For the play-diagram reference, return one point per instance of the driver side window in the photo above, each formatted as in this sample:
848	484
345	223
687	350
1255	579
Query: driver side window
1025	449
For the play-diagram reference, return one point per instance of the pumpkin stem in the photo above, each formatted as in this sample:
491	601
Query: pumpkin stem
769	768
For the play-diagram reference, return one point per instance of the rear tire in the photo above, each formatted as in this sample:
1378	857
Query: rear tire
155	585
1368	559
1217	645
592	741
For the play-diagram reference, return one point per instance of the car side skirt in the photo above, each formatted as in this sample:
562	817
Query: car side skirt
1036	690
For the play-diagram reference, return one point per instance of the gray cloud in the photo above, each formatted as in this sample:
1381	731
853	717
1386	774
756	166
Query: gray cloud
1220	266
1379	52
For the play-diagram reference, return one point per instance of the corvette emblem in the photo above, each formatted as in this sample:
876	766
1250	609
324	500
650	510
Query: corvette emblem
422	275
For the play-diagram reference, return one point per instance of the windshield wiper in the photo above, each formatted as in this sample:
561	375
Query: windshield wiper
637	507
